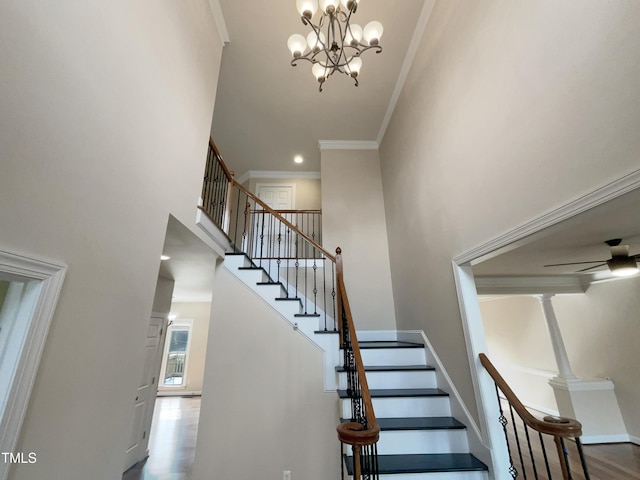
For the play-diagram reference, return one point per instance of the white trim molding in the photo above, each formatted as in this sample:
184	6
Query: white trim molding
531	285
218	17
348	145
43	280
591	200
279	175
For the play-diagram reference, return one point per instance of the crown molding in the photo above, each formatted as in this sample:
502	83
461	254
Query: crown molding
418	33
591	200
220	22
348	145
277	175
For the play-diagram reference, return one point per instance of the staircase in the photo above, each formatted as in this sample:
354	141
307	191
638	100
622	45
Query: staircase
419	439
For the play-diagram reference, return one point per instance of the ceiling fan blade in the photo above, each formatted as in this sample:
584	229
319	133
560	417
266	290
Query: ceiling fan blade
591	268
574	263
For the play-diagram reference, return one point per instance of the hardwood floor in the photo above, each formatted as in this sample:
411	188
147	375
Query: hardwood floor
172	441
175	427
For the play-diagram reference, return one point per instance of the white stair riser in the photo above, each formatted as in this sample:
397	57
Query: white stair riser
396	407
405	442
397	379
437	476
393	356
251	277
271	291
233	262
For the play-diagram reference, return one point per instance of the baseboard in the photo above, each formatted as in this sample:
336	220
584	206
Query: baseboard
635	440
179	393
619	438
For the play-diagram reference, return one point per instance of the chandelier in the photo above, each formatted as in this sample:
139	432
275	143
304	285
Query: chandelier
334	44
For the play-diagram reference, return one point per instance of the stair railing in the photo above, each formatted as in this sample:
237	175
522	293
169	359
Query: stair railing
362	431
531	454
308	273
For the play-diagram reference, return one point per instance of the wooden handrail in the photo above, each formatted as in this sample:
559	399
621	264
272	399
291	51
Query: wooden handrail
275	213
283	220
353	433
226	171
556	426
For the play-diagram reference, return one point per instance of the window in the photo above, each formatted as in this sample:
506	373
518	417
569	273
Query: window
176	350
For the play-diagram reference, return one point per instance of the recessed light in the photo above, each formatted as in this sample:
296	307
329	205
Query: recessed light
298	159
164	257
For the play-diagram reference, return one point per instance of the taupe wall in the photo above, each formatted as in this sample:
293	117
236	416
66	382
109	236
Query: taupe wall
264	409
200	313
600	330
510	110
353	219
106	111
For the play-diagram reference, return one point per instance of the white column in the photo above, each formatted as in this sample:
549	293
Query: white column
562	360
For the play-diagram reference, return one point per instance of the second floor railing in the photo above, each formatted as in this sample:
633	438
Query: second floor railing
285	245
529	438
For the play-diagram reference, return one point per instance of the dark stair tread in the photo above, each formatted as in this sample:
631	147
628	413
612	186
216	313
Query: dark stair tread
326	331
418	423
391	368
270	283
401	392
389	344
424	463
307	315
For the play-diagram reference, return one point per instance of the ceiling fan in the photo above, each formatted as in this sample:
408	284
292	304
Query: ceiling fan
621	264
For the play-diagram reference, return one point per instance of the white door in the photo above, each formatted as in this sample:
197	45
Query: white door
265	230
278	197
145	394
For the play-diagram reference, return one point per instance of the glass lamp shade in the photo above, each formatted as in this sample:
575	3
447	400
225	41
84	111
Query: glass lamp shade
354	66
372	32
353	35
307	8
315	43
328	6
319	71
297	44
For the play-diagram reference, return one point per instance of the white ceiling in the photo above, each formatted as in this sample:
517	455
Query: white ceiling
267	111
191	265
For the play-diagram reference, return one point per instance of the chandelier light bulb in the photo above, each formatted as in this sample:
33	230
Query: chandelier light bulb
354	66
319	71
353	35
315	42
297	44
349	4
329	6
307	8
372	32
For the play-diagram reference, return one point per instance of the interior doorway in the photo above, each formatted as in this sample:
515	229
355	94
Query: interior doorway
177	328
515	262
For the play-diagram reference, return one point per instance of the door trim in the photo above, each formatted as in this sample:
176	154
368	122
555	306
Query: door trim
279	184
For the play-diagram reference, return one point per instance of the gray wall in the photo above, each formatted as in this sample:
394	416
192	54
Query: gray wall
106	111
510	110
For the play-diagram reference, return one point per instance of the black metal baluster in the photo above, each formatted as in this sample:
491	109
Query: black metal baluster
315	283
544	455
504	422
279	248
583	460
533	460
333	296
324	290
515	432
